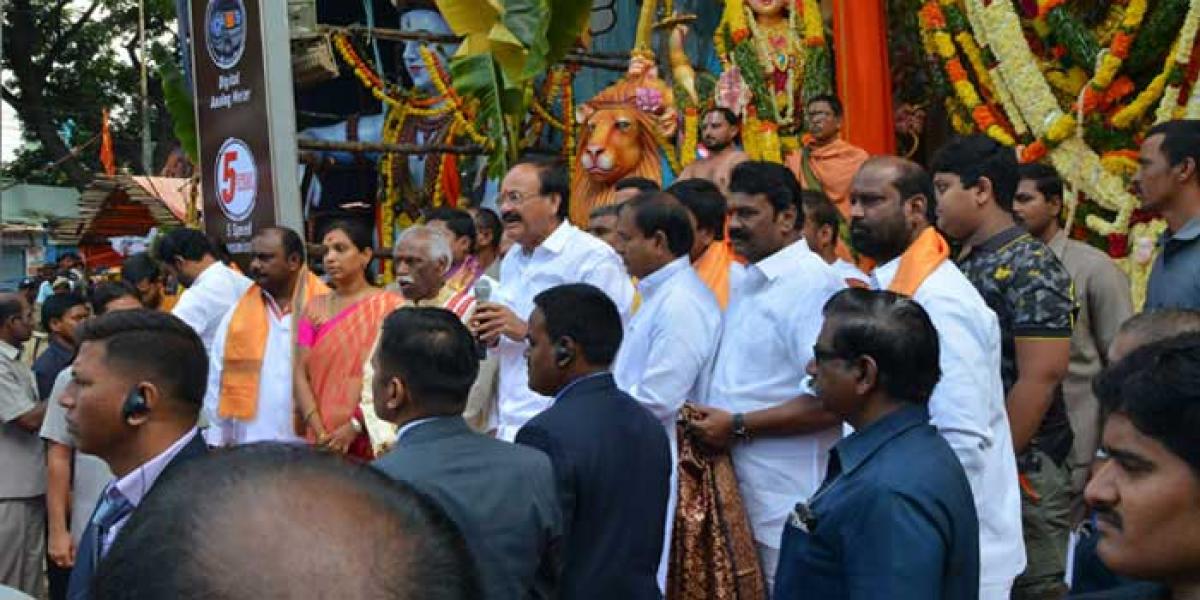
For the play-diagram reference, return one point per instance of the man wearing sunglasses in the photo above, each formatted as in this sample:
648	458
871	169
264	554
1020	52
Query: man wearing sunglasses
894	517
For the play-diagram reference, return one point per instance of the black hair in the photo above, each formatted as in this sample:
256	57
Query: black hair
974	156
262	507
1181	141
585	314
435	355
705	201
1155	325
1044	177
107	291
10	306
895	331
57	305
140	267
293	244
154	346
490	221
185	243
360	236
1157	386
552	179
818	207
660	211
641	184
834	103
912	180
66	255
729	116
773	180
458	221
606	210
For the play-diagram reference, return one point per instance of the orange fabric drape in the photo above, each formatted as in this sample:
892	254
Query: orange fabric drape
713	268
864	79
919	261
246	343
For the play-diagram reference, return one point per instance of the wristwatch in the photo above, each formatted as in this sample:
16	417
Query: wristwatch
739	427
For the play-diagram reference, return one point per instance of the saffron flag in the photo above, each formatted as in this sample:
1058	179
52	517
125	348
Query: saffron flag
107	158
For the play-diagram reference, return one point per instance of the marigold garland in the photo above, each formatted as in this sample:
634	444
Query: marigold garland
691	131
1182	54
1112	60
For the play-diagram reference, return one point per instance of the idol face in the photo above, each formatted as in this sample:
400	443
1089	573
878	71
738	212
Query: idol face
425	21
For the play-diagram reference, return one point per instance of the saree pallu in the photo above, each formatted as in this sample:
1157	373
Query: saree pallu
713	556
339	346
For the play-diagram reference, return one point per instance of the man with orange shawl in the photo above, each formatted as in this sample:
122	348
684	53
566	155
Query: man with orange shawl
249	396
891	207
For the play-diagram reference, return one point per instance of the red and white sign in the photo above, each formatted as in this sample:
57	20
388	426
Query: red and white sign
236	179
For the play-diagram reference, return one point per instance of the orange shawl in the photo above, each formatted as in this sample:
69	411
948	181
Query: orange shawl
713	269
919	261
246	342
336	358
833	166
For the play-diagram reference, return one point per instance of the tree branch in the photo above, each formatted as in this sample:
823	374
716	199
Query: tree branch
69	34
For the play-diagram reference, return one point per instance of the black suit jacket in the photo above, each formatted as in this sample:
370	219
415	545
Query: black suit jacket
612	462
80	587
500	495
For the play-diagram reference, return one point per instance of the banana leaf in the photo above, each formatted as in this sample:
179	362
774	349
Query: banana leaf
529	22
480	78
179	105
568	20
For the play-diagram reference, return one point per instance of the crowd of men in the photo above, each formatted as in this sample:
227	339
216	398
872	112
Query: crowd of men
764	380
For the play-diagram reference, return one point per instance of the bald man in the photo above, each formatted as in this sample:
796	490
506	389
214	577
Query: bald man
891	200
355	535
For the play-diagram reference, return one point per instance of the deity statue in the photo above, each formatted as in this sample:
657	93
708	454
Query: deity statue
420	115
773	56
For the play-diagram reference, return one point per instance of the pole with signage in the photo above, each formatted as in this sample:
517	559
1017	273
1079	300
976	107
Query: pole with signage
245	118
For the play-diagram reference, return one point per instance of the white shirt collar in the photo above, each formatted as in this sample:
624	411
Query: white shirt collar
9	351
885	273
557	239
654	281
410	425
784	261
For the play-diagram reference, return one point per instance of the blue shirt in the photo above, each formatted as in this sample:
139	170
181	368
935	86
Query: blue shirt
1175	277
894	519
47	366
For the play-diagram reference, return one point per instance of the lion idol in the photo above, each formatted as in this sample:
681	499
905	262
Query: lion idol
622	131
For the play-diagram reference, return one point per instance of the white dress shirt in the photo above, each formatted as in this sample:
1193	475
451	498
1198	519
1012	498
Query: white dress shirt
847	270
967	408
210	296
134	486
273	420
770	328
668	344
569	255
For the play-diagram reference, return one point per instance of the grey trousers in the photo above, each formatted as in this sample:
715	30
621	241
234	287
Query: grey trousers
23	553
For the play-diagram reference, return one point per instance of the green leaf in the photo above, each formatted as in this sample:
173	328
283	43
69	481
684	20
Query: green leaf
529	21
479	77
568	18
179	104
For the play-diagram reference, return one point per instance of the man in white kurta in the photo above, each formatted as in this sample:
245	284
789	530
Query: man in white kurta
278	268
770	328
549	251
671	339
212	287
889	203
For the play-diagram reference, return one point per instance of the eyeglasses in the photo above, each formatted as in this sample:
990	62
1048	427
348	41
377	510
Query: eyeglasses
515	198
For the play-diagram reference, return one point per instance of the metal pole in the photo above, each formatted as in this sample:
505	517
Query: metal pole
147	149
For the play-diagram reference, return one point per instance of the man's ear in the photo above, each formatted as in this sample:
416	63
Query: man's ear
983	189
868	375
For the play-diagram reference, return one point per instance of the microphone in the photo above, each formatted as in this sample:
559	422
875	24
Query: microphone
483	293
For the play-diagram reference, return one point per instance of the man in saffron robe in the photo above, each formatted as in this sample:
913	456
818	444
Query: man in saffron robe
249	394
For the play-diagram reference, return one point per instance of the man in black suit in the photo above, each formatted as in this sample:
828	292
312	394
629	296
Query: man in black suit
611	457
501	495
135	394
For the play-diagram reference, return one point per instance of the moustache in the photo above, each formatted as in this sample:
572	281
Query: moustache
511	216
402	280
740	235
1110	517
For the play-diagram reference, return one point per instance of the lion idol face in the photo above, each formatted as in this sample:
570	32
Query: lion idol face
613	143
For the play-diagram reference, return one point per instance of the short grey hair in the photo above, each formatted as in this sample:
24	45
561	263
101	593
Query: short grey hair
436	242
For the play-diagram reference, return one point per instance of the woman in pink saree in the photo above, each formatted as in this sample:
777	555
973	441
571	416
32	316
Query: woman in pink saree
334	336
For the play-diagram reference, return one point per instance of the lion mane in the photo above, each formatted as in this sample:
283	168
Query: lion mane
597	118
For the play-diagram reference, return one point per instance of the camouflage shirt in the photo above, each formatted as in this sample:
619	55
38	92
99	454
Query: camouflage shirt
1031	293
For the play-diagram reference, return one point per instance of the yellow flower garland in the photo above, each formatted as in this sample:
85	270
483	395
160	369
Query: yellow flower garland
999	24
1183	53
459	117
691	129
